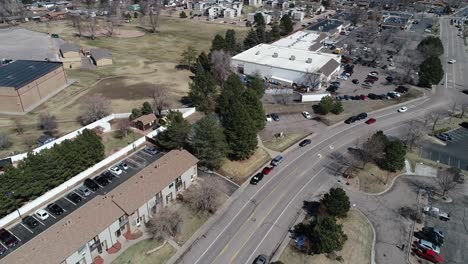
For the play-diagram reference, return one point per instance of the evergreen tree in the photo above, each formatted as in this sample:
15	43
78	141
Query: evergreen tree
231	45
146	108
327	235
256	84
326	105
286	25
259	20
183	15
251	40
430	72
394	156
336	202
204	61
254	107
261	34
175	136
136	113
275	32
209	143
218	43
203	90
431	46
337	108
189	58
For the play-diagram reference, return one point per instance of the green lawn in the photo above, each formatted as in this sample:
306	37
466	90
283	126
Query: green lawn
113	143
192	221
137	253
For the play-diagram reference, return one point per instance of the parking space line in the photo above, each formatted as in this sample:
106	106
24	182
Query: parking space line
38	220
4	246
82	196
16	236
69	201
27	228
50	214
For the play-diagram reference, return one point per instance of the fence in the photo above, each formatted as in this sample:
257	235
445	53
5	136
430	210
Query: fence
71	183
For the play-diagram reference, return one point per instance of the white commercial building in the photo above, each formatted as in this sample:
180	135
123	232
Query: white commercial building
303	40
286	65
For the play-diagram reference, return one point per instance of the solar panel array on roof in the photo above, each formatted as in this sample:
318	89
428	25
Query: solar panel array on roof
21	72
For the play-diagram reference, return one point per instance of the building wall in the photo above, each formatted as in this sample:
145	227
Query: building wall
81	254
268	71
9	100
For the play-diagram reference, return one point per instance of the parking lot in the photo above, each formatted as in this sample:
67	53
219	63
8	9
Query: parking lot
135	162
453	154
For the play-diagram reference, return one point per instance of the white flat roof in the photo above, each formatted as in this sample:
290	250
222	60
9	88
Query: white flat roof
263	54
299	40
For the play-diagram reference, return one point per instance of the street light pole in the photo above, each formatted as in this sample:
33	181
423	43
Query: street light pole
10	195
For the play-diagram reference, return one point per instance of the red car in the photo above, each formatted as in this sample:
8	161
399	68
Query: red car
429	255
371	121
363	97
267	170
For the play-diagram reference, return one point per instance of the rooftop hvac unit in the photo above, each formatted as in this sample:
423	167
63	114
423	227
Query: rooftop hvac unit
309	60
292	57
275	55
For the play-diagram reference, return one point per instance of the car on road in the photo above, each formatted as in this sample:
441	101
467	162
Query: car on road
74	197
267	170
371	121
306	114
268	118
151	150
460	178
444	137
41	214
351	120
91	184
55	209
430	255
452	61
8	238
275	117
355	81
368	85
256	178
424	244
123	165
403	109
305	142
361	116
277	160
261	259
30	222
84	190
116	170
102	180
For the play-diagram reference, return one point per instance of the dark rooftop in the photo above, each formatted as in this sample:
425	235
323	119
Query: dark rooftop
326	25
21	72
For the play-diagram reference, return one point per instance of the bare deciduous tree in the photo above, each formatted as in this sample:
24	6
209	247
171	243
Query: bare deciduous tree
166	224
93	108
221	65
160	98
463	108
123	127
357	15
19	127
416	130
151	9
110	25
77	24
409	64
446	179
48	123
30	141
434	117
89	3
205	196
311	80
11	8
92	24
5	141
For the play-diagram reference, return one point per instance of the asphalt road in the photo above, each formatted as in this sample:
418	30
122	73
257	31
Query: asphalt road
259	217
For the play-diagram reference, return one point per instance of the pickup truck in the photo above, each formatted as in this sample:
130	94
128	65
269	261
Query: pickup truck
435	212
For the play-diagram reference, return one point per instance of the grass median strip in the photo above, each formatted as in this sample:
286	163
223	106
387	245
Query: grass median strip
240	171
281	144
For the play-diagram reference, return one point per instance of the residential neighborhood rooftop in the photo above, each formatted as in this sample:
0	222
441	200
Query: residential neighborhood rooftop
98	54
326	25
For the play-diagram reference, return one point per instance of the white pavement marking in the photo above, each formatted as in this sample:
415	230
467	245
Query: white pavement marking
3	245
27	228
51	214
38	220
69	201
16	237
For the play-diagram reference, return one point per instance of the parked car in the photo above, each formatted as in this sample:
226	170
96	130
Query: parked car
8	238
350	120
74	197
261	259
123	165
430	255
371	121
452	61
108	175
363	97
444	137
275	117
2	250
116	170
256	178
433	230
306	115
433	238
151	150
268	118
41	214
361	116
402	89
424	244
465	91
403	109
336	84
30	222
368	85
346	97
277	160
460	178
372	96
55	209
91	184
464	125
305	142
389	78
103	181
355	81
84	190
267	170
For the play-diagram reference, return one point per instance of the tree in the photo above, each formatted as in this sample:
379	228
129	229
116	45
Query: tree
19	127
394	156
464	108
220	65
337	108
175	136
5	141
431	47
336	202
48	123
311	80
77	24
323	234
286	25
205	196
209	143
123	128
446	179
182	14
275	32
189	58
218	43
256	84
203	90
110	25
259	21
357	15
430	72
255	109
92	24
373	148
151	9
251	40
94	107
416	130
160	98
165	224
136	113
231	43
325	105
261	34
146	109
204	61
433	117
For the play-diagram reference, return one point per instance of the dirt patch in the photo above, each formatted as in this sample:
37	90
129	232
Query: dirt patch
120	88
372	179
240	171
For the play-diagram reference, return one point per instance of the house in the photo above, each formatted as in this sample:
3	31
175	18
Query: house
102	225
255	3
399	20
331	27
298	15
44	139
145	122
70	55
101	57
266	17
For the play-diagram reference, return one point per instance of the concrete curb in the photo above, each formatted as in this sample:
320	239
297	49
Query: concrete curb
374	238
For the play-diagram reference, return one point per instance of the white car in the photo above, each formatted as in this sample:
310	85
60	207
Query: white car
84	190
115	170
424	244
41	214
452	61
268	118
373	74
403	109
306	115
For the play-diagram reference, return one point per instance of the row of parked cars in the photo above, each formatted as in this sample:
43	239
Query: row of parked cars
429	243
390	95
361	116
265	171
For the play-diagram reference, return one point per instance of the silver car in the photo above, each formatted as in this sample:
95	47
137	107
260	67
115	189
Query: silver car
84	190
